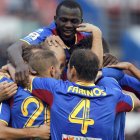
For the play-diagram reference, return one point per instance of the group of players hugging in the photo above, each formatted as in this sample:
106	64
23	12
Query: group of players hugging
62	83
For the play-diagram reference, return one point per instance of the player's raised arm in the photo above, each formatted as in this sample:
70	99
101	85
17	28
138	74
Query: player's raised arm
15	57
97	47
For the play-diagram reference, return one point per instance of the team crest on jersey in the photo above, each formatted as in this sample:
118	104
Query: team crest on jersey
70	137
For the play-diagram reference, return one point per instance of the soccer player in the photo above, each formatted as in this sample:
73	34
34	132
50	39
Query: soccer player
80	107
68	17
63	30
31	111
128	83
20	111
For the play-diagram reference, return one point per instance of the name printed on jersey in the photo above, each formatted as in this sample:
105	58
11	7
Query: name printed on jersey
70	137
94	92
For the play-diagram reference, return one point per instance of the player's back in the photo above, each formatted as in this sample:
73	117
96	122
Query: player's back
82	111
25	109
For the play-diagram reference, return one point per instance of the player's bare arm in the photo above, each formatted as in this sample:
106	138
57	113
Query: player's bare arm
128	66
97	47
15	57
42	132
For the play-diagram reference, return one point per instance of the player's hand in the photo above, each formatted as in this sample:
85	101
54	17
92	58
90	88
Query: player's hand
22	74
109	59
87	27
4	71
44	132
54	40
122	65
7	90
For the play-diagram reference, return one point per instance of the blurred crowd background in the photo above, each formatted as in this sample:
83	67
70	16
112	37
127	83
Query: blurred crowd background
118	19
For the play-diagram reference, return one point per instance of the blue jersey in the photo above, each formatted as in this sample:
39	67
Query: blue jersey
41	34
128	83
80	110
22	110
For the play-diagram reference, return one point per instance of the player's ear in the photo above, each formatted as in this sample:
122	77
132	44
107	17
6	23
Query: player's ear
52	72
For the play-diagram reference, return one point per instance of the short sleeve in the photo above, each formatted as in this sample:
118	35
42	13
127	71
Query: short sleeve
44	88
125	103
37	36
5	112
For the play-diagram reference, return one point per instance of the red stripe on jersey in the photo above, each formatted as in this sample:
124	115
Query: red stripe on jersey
80	36
54	31
123	107
127	88
44	95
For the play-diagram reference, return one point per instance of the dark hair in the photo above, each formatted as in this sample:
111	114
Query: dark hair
86	64
41	60
86	43
69	4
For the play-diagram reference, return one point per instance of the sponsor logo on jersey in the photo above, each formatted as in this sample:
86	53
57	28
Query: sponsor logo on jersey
71	137
33	35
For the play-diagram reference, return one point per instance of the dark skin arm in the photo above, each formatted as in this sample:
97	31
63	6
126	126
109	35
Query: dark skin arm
15	57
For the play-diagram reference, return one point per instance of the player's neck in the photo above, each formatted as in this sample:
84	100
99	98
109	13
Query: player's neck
84	81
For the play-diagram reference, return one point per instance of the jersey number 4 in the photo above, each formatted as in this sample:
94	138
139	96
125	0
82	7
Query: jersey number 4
85	121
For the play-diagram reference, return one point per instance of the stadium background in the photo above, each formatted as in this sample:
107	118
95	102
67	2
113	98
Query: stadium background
118	19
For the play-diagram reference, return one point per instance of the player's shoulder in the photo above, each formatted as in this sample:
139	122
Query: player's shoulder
110	86
108	82
62	85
